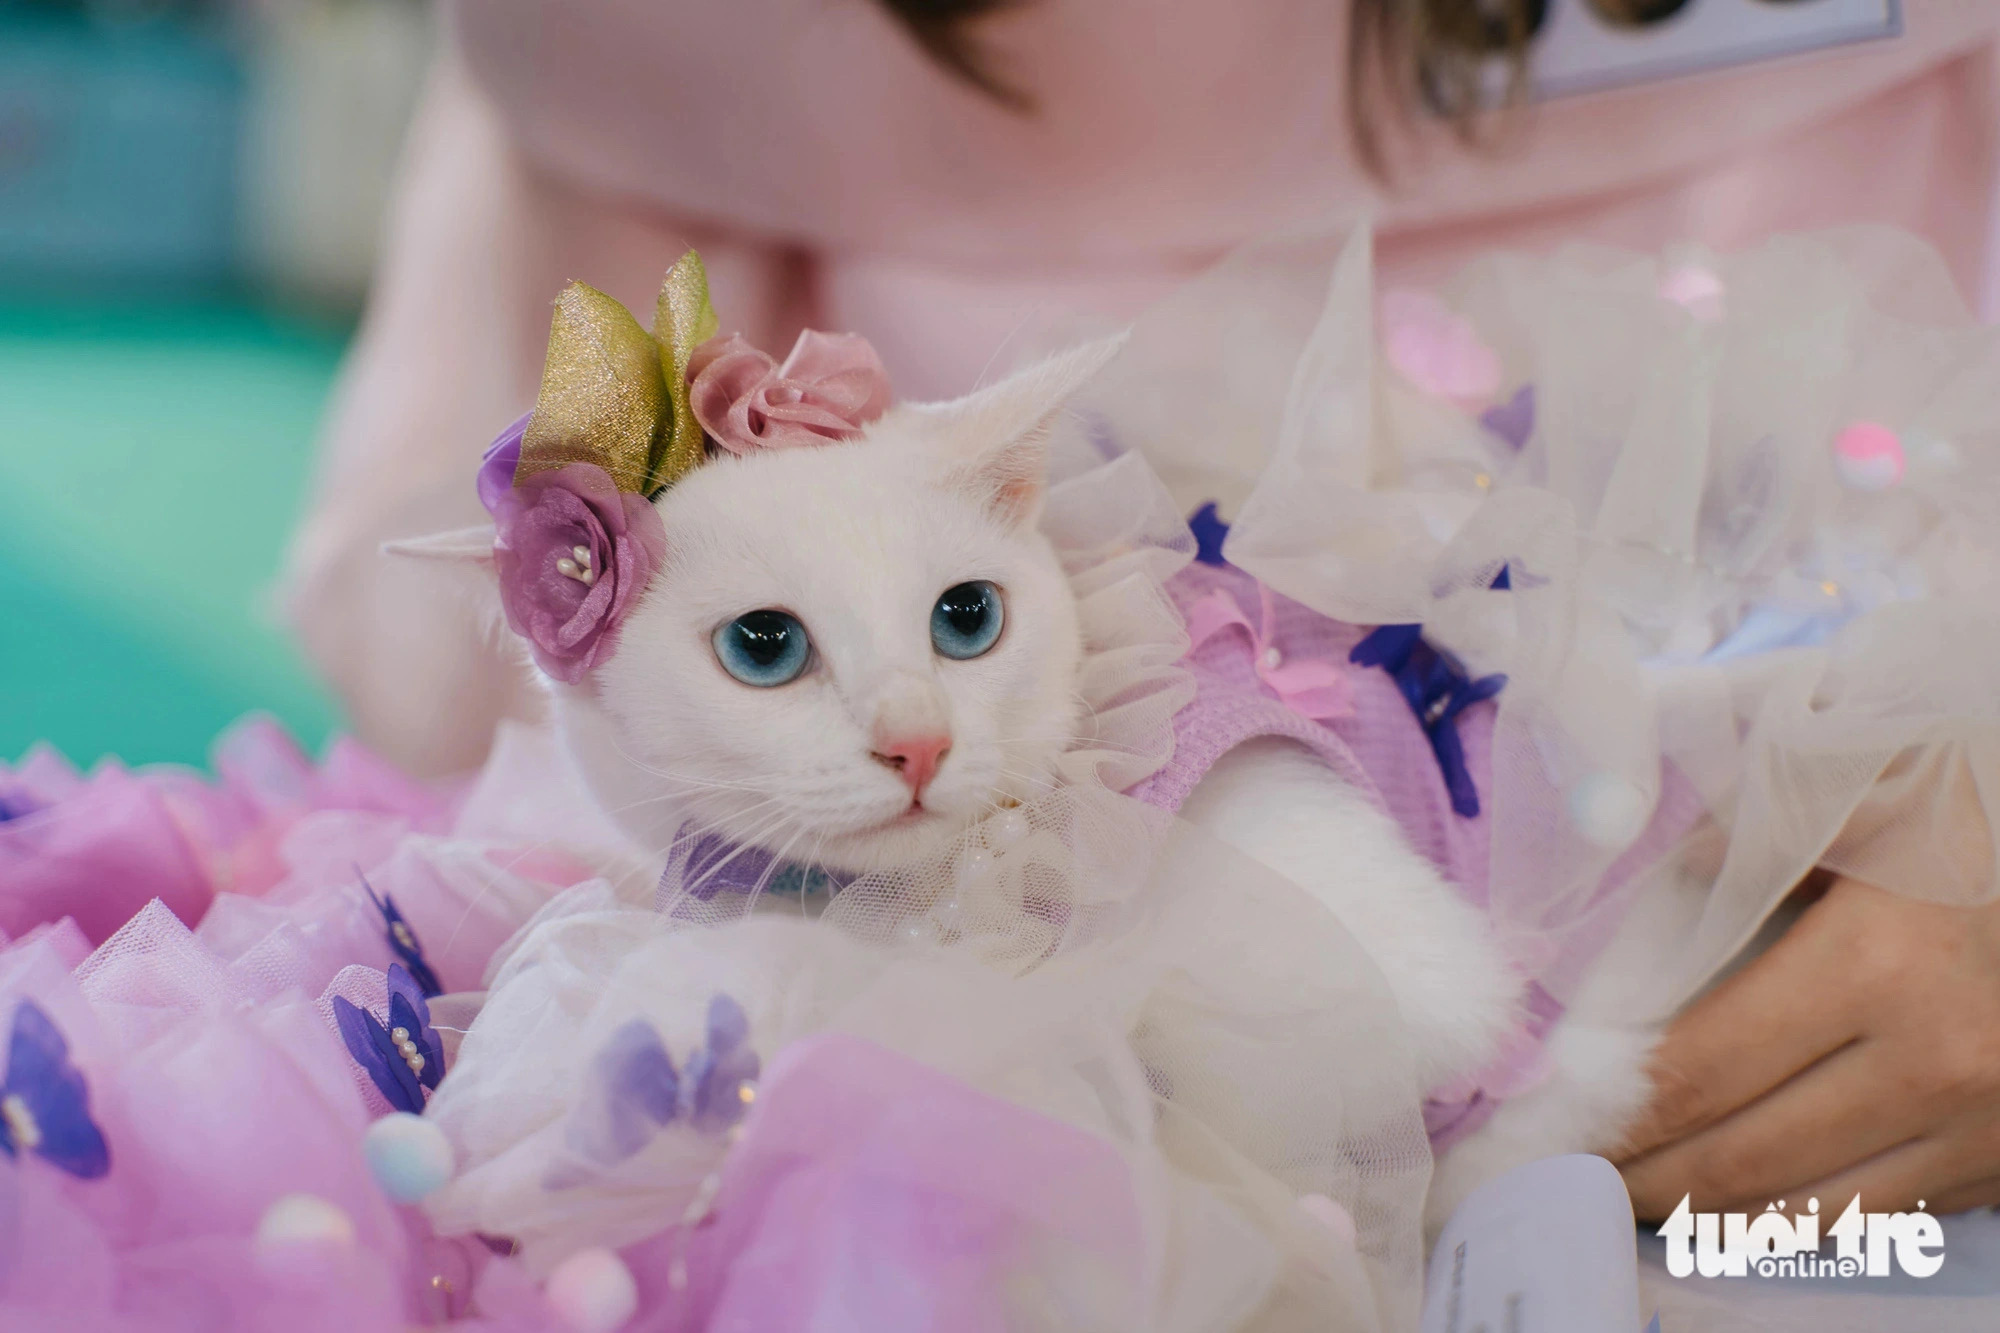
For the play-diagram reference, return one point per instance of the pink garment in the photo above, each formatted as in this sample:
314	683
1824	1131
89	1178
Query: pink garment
1379	747
832	176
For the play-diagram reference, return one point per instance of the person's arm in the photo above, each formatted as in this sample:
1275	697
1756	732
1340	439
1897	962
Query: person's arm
477	246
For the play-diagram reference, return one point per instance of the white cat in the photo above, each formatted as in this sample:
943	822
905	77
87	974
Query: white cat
851	653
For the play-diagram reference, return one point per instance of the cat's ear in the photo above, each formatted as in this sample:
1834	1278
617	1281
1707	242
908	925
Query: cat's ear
472	545
998	437
462	563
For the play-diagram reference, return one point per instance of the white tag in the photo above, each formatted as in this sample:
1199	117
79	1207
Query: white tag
1546	1248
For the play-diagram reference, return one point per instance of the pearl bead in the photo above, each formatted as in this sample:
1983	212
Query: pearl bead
1329	1214
582	554
1607	810
1272	659
1007	829
974	865
569	567
21	1124
304	1219
593	1291
399	1035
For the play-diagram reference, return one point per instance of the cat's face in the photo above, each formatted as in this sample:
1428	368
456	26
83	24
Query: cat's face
789	679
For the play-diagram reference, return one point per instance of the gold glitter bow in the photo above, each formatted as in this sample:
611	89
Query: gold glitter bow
616	396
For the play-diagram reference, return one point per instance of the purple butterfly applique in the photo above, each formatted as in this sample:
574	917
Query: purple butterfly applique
44	1102
1513	420
403	940
404	1056
635	1091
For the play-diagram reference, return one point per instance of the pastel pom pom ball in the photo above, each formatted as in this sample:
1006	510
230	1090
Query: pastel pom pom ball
1437	349
1607	810
1868	457
593	1291
408	1155
304	1219
1695	289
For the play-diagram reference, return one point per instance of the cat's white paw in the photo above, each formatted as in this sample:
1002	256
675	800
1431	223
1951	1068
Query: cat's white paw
1281	805
1596	1085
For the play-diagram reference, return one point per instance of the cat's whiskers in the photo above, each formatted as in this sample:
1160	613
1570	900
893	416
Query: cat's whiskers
779	859
749	843
1043	782
812	863
652	770
525	851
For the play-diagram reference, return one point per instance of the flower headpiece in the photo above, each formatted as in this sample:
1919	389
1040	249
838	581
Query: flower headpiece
621	415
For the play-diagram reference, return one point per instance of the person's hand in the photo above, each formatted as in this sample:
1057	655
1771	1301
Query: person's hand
1860	1054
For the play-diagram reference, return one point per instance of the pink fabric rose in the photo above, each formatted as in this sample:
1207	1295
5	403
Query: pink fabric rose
573	553
830	386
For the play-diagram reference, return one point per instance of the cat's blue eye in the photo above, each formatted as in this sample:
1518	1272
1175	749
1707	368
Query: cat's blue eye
966	621
763	648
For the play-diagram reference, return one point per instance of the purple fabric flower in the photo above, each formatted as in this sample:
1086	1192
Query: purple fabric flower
497	465
1209	534
402	1066
1437	691
403	940
44	1102
573	553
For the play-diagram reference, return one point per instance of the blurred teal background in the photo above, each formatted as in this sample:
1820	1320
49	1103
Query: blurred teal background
190	195
152	461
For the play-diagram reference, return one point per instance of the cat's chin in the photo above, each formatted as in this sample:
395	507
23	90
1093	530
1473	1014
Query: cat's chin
913	836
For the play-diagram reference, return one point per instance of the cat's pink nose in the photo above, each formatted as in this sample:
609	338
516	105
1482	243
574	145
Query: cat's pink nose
915	758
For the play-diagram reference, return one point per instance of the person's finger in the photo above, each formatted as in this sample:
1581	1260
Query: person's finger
1964	1198
1906	1176
1845	1109
1744	1038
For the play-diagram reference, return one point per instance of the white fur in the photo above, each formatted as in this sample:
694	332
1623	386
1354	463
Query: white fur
1598	1052
1274	801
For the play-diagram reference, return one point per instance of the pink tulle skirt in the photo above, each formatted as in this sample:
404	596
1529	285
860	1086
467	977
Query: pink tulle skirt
187	936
